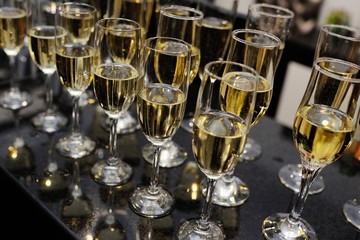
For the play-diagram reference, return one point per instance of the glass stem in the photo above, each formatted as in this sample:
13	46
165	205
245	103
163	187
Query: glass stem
154	181
76	189
113	160
14	83
292	222
19	141
75	116
49	91
203	223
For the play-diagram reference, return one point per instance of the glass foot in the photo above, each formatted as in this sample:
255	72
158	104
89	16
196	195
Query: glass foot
351	211
49	122
75	146
14	99
228	192
172	155
187	124
190	230
252	150
108	175
126	124
290	176
151	205
275	227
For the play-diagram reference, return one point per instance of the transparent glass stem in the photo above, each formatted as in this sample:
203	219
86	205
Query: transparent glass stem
49	91
154	181
76	191
75	116
14	86
113	160
292	222
203	223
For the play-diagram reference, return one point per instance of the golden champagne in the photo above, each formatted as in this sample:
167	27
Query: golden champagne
74	64
79	24
218	140
12	29
195	63
115	87
321	134
122	44
160	110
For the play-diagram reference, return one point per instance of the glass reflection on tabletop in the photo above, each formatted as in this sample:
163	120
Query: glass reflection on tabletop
154	229
20	159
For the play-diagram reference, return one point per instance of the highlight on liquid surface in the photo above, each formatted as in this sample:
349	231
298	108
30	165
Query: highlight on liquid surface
321	134
218	140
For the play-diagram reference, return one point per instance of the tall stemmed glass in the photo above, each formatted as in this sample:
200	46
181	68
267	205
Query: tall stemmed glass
161	106
74	62
323	129
13	16
223	116
41	33
117	73
184	23
215	32
278	21
257	49
331	39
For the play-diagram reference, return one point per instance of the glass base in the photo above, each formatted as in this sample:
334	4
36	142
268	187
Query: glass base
126	124
49	122
172	155
107	175
14	99
252	150
228	192
351	211
149	205
187	124
290	176
190	230
275	228
75	146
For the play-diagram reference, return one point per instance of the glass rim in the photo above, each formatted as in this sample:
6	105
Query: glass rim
89	6
134	23
317	66
199	16
326	29
148	40
276	40
214	76
287	13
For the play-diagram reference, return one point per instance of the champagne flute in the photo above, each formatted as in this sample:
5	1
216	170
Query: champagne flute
278	21
332	37
117	73
41	33
219	134
184	23
74	63
13	16
323	129
257	49
215	32
161	106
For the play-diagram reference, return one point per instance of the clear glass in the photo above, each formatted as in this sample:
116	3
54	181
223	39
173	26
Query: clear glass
275	20
12	35
41	34
180	22
216	28
161	103
222	123
249	46
74	63
323	129
351	210
331	38
117	76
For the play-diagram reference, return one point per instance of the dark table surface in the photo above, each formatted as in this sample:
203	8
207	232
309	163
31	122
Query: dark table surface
35	207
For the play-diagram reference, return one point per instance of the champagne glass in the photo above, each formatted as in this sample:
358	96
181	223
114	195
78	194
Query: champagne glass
74	63
215	32
117	73
278	21
323	129
13	16
351	210
41	33
257	49
184	23
161	106
331	39
219	134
